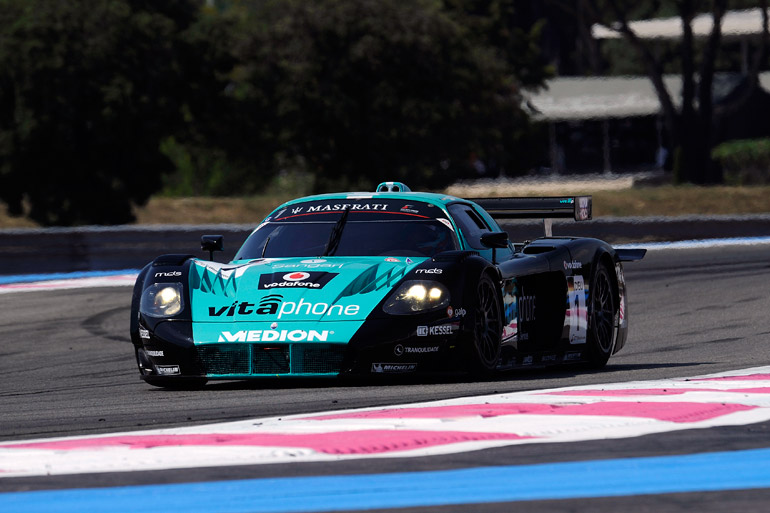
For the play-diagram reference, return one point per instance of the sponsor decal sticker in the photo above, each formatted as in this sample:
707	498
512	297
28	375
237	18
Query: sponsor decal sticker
572	357
622	288
400	350
168	370
325	265
274	304
296	276
170	274
578	314
351	206
275	336
584	208
154	353
429	271
296	279
409	208
447	223
144	333
379	368
391	259
572	265
425	331
455	312
527	308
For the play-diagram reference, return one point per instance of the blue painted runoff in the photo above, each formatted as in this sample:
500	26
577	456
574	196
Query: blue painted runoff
706	472
31	278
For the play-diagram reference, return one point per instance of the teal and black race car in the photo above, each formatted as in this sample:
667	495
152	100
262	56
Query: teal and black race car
381	283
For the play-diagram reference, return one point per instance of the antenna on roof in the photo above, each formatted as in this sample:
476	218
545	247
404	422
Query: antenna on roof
393	187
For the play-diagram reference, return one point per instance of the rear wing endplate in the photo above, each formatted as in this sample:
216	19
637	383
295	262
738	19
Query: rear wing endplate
545	208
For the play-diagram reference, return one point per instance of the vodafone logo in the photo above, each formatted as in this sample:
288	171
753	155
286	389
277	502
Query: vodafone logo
295	279
296	276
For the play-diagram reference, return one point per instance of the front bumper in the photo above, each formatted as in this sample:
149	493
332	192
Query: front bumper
183	350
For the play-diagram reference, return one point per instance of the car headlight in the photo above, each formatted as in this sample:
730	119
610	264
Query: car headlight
162	300
417	296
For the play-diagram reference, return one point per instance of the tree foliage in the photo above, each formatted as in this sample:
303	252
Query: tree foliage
87	90
100	100
368	90
690	124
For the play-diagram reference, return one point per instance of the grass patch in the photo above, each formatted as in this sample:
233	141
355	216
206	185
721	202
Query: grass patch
665	200
682	200
249	210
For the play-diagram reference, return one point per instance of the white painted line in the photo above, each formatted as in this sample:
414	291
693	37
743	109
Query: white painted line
129	279
120	280
611	411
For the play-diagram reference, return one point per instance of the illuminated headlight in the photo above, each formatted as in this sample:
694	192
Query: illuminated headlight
162	300
417	297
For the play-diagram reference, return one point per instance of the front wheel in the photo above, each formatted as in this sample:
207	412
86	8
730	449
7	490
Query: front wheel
487	327
602	322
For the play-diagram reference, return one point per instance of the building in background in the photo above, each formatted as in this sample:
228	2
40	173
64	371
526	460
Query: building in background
614	124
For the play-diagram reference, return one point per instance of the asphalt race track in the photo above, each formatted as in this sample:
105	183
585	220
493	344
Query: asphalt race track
68	369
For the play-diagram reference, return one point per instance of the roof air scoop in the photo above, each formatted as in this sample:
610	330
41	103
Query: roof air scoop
393	187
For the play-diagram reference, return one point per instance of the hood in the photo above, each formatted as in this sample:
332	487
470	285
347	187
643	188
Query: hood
294	289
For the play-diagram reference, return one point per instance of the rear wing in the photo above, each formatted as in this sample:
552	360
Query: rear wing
545	208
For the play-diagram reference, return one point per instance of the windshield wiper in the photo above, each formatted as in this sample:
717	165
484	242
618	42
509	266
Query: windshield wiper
336	235
264	248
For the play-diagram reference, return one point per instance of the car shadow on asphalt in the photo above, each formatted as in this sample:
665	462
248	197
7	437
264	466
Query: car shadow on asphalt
519	375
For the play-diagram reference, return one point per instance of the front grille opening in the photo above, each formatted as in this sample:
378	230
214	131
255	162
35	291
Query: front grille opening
224	359
270	360
280	359
318	359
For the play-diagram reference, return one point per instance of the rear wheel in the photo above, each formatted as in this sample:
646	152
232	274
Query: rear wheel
601	329
487	327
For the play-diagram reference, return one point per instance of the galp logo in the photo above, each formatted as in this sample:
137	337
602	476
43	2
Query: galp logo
295	279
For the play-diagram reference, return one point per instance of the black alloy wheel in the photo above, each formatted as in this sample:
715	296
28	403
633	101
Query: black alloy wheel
487	327
602	324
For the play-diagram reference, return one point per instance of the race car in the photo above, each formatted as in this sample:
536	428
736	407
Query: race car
384	282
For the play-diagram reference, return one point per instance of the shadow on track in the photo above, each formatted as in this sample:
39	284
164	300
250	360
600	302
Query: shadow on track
519	376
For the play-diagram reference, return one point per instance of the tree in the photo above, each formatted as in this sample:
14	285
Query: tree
690	126
369	90
88	89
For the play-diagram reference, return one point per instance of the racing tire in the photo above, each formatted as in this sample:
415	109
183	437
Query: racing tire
487	327
176	383
602	321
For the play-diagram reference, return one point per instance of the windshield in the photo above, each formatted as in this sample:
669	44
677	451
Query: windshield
389	230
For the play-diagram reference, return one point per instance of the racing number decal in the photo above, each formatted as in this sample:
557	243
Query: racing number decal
578	316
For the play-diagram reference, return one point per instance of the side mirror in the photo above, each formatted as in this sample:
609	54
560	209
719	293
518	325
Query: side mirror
212	243
495	240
